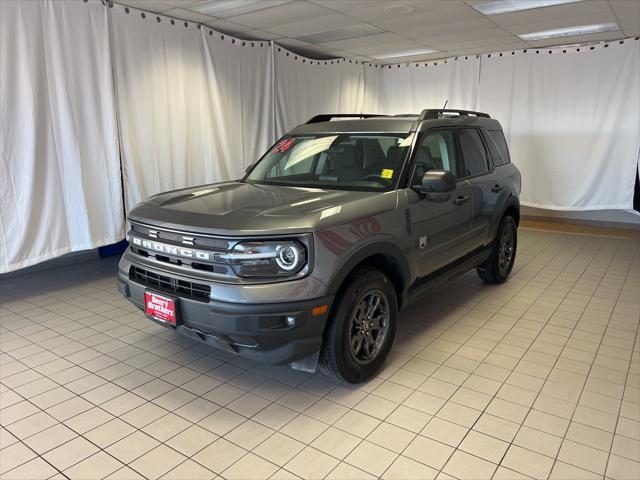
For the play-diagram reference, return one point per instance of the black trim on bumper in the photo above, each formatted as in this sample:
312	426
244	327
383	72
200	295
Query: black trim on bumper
258	332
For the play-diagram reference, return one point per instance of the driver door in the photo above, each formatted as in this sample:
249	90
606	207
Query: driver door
440	222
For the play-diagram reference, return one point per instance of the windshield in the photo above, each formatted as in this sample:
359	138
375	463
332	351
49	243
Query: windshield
345	161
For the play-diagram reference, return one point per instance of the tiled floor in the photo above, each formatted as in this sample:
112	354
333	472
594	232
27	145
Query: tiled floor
539	377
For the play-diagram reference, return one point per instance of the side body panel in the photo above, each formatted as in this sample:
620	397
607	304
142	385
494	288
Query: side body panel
440	227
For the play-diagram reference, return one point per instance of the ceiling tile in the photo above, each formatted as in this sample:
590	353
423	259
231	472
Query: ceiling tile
292	42
354	31
258	35
449	28
390	10
342	5
625	8
596	9
227	27
488	49
631	28
229	8
387	47
368	40
291	12
313	25
179	3
492	34
188	15
496	43
400	23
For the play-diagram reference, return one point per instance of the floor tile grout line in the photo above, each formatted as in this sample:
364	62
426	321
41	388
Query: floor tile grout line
370	392
151	401
470	428
609	453
555	459
527	350
148	401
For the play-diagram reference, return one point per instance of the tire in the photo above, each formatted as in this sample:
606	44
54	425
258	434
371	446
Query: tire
498	266
340	357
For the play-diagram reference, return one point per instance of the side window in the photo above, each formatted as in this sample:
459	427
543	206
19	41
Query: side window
498	138
436	152
474	155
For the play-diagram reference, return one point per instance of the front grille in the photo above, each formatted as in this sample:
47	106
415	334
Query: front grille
212	247
181	288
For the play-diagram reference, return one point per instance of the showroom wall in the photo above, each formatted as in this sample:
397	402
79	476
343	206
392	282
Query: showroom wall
60	188
194	106
93	94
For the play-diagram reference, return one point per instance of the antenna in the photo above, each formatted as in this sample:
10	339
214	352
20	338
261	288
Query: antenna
445	104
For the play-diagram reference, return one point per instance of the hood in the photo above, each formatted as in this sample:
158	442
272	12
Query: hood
237	208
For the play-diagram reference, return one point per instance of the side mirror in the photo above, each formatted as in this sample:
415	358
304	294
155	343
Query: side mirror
249	168
436	181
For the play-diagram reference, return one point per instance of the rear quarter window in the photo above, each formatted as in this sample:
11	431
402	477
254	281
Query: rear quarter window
498	144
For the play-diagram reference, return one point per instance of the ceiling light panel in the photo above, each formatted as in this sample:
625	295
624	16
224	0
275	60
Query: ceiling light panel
230	8
354	31
570	31
403	53
496	7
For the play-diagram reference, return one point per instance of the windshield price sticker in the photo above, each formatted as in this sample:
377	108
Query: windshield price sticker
387	173
283	145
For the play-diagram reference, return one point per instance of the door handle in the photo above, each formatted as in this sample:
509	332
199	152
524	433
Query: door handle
497	188
461	199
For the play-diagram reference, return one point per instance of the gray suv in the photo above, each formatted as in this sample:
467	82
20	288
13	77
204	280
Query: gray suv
307	260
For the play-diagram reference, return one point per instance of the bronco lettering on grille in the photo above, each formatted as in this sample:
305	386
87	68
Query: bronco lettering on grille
171	250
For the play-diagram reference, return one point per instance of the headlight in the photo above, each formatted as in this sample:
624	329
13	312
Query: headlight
267	259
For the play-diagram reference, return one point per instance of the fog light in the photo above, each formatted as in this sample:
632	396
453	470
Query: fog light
291	321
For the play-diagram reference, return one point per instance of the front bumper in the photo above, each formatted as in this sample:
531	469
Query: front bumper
260	332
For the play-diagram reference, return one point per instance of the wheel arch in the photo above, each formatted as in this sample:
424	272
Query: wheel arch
511	207
384	256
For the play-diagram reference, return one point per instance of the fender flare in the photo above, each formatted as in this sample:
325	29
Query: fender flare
388	249
511	201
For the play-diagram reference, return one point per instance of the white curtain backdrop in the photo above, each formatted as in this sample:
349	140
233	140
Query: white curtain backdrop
411	87
305	87
572	122
60	188
193	108
240	88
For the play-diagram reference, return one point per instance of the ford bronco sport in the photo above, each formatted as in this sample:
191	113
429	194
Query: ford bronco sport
345	220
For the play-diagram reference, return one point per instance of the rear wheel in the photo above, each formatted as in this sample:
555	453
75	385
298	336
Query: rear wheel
503	253
361	330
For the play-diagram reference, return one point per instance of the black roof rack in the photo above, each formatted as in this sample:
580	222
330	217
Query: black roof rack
432	114
326	117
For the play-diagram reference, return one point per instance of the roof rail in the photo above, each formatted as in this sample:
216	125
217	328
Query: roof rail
326	117
432	114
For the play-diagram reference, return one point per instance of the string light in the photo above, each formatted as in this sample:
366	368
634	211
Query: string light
143	15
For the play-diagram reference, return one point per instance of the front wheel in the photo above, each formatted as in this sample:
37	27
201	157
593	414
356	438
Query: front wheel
498	266
361	330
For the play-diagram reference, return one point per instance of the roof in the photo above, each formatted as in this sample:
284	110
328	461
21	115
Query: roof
362	125
391	124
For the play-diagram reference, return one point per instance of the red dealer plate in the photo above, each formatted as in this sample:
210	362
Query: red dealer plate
160	307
